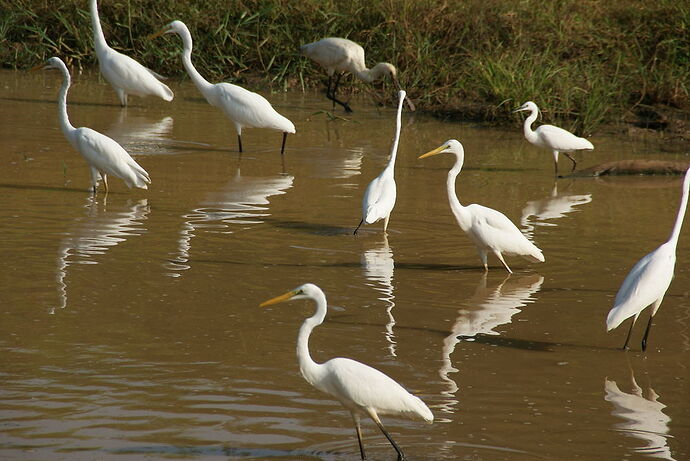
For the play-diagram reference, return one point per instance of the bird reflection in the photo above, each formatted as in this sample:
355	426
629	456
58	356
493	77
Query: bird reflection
241	201
94	234
141	135
487	309
642	417
378	266
553	207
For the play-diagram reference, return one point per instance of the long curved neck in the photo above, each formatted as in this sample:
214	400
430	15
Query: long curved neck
459	211
681	210
201	83
98	37
65	125
308	367
527	127
373	74
396	140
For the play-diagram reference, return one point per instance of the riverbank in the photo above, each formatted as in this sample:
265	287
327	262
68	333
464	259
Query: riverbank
586	63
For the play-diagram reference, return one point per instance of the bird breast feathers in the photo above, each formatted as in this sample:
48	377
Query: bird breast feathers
648	280
379	197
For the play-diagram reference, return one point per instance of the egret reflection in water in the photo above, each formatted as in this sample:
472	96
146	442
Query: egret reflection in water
538	212
378	266
140	134
487	309
242	201
93	234
642	417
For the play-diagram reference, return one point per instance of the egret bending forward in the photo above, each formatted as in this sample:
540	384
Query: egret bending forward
648	280
243	107
490	230
379	197
124	74
343	55
360	388
552	137
103	154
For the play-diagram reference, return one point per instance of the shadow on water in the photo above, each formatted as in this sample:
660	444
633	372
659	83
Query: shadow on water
258	453
72	103
84	190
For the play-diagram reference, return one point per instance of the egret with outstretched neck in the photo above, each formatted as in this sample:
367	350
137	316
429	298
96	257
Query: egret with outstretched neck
103	154
244	108
379	197
124	74
363	390
552	137
342	55
490	230
649	279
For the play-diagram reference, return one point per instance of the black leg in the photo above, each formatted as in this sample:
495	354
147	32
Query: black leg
646	333
282	147
401	455
359	439
239	141
572	160
627	338
358	225
333	91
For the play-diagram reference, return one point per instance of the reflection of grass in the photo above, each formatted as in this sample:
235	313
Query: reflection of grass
332	117
583	61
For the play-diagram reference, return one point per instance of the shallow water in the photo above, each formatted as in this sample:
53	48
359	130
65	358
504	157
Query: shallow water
130	323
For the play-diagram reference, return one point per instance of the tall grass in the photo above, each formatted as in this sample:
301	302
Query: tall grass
584	62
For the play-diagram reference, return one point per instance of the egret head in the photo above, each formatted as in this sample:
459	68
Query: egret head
452	146
174	27
52	63
306	291
529	105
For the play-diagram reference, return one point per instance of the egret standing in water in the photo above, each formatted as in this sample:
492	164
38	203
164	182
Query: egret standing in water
125	74
104	155
343	55
379	197
490	230
243	107
648	280
552	137
363	390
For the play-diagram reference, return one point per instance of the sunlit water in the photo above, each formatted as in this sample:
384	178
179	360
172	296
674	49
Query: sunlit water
131	326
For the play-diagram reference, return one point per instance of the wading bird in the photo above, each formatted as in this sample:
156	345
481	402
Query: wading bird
648	280
363	390
244	108
343	55
103	154
490	230
379	197
122	72
552	137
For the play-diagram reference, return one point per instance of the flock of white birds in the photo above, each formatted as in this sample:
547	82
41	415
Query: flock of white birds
363	390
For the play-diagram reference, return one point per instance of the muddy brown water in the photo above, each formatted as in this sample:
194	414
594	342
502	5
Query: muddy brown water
130	322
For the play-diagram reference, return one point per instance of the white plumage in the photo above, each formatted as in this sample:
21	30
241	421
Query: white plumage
244	108
104	155
551	137
380	194
125	74
649	279
490	230
360	388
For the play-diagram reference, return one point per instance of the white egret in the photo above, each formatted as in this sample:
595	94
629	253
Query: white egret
343	55
552	137
103	154
361	389
648	280
243	107
125	74
490	230
379	197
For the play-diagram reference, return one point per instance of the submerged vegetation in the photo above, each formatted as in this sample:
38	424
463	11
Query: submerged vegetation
585	61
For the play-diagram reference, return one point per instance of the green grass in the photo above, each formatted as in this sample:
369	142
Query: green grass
584	62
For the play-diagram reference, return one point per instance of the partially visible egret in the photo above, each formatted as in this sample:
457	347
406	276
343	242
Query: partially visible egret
243	107
343	55
103	154
490	230
379	197
125	74
648	280
552	137
361	389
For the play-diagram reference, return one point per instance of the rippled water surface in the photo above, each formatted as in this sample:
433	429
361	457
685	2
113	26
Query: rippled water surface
130	322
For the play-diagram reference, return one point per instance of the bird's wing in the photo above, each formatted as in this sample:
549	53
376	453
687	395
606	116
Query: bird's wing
249	109
124	72
379	198
495	229
561	139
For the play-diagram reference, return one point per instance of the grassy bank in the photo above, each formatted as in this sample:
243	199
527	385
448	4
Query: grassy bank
587	62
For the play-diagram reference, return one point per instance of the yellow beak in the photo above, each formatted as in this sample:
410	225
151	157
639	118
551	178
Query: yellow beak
157	34
38	66
278	299
438	150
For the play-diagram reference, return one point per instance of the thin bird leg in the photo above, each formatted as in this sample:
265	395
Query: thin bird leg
359	436
627	338
401	455
555	162
385	223
332	97
239	141
500	258
282	147
358	225
105	181
483	257
656	305
571	159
